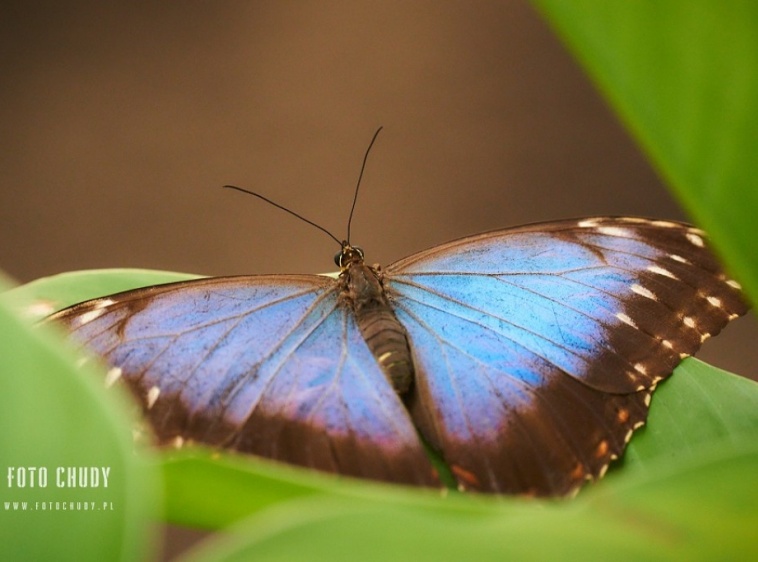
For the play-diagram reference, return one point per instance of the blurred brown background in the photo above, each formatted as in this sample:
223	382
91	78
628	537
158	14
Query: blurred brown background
120	122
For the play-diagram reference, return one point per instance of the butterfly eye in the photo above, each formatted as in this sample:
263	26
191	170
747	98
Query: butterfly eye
347	255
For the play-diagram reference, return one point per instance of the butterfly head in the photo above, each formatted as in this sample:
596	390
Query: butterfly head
348	255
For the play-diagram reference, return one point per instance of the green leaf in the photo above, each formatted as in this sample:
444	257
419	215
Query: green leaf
699	405
55	416
683	76
685	477
42	297
703	511
210	490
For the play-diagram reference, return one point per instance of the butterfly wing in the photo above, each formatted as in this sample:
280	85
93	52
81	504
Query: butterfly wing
536	348
271	365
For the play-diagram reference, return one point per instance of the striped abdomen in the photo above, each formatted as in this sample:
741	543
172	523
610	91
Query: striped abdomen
384	335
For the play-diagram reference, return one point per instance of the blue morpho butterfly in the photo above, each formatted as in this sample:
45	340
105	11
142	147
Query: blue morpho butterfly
526	357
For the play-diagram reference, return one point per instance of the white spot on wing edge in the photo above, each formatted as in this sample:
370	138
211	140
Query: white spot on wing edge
614	231
152	396
665	224
588	223
640	368
695	239
97	310
679	258
638	220
625	319
714	301
688	321
112	376
661	271
90	315
642	291
733	284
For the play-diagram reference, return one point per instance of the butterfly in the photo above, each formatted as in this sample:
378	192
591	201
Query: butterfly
525	357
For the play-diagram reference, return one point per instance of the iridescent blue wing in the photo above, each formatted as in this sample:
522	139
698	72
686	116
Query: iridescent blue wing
271	365
536	348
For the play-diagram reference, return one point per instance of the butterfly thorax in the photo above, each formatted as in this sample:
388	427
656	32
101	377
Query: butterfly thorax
363	291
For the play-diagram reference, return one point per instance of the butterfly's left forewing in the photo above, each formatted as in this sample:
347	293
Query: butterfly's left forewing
272	365
536	349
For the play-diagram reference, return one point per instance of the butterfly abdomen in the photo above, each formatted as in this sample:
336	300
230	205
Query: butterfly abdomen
384	335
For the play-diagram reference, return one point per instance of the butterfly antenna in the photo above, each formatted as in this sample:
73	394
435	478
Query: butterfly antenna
358	185
278	206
